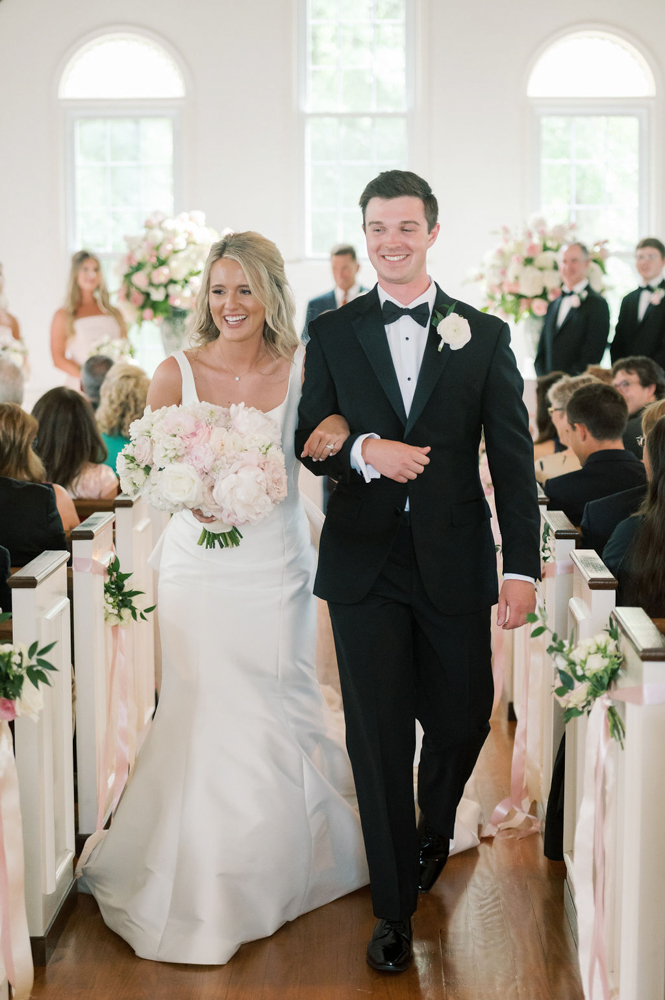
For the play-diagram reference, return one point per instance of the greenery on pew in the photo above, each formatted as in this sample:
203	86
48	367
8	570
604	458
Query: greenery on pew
587	670
19	664
119	607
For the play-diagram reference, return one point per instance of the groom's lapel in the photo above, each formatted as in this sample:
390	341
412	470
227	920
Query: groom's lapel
372	336
434	361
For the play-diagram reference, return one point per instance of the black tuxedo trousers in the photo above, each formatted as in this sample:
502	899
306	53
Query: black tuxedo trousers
399	658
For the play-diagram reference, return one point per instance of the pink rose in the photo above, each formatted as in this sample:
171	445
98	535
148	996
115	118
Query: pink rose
554	293
174	301
533	250
160	275
202	457
141	280
7	710
136	298
657	297
199	435
538	307
148	314
511	287
517	259
143	451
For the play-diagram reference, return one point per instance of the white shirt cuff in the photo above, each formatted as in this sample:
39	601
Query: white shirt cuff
518	576
358	462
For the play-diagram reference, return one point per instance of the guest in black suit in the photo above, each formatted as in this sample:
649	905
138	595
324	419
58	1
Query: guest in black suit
635	553
602	516
640	328
5	571
597	417
344	265
640	381
577	324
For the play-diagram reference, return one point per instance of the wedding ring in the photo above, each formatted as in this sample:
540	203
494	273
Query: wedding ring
330	447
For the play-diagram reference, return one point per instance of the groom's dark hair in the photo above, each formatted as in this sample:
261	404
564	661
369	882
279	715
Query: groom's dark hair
400	184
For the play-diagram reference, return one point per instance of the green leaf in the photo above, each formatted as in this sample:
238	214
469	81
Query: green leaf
45	664
538	631
559	692
567	681
46	649
33	649
531	617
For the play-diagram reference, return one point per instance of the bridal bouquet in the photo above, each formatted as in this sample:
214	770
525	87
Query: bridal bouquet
161	269
15	351
228	463
116	350
521	276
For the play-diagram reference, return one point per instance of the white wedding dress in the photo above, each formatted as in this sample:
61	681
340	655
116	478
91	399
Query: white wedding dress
240	814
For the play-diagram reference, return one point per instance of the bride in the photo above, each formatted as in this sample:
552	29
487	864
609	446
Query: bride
240	814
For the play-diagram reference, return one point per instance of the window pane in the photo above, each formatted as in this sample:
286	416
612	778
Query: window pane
119	66
555	184
92	187
390	140
324	89
356	10
126	187
324	138
325	45
157	140
124	136
591	64
358	86
323	10
390	10
93	230
357	45
324	231
356	139
92	139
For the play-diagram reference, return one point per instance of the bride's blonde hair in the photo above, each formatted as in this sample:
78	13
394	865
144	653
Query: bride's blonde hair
74	296
264	269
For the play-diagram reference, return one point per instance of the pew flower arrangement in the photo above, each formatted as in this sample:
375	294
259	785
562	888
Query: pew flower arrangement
547	544
119	607
586	670
22	670
228	463
521	276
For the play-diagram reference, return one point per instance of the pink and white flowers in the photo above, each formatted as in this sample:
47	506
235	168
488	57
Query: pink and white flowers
226	462
22	670
521	276
161	269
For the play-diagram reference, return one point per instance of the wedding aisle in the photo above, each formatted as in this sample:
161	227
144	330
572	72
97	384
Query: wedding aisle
493	928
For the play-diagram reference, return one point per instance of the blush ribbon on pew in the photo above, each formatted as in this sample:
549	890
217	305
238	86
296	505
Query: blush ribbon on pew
14	934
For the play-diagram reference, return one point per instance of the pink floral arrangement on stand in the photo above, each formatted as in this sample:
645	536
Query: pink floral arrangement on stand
521	276
162	267
227	463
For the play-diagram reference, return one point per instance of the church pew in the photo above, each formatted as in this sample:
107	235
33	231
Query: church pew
589	610
41	612
92	540
133	545
84	508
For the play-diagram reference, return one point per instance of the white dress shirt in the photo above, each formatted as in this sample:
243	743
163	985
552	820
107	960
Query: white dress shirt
407	340
566	304
645	299
352	294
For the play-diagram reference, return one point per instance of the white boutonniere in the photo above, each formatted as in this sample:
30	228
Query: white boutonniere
578	298
657	296
453	329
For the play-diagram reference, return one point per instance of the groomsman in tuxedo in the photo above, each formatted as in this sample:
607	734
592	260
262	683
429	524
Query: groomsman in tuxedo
407	560
640	328
577	324
344	265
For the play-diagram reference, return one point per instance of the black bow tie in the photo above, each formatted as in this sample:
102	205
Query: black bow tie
647	288
391	313
564	294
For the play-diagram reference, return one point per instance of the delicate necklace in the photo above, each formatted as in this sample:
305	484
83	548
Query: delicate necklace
244	374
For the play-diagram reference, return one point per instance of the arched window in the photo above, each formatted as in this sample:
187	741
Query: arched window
122	94
591	93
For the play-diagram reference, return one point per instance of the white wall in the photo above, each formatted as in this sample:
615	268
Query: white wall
242	155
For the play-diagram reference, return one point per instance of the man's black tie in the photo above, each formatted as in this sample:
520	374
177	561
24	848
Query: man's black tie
391	313
647	288
564	294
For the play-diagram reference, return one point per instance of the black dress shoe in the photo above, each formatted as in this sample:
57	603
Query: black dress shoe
390	948
434	851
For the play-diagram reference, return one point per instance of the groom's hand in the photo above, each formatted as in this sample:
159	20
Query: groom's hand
394	459
516	600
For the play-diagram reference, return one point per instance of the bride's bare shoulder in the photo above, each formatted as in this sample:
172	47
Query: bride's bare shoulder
166	385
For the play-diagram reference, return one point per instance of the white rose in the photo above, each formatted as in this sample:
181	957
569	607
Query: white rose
578	696
111	619
157	294
31	700
243	496
531	282
125	616
551	279
143	451
455	331
595	663
595	276
255	425
546	260
180	265
181	484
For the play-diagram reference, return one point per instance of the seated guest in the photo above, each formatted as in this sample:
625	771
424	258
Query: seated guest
564	460
547	442
640	328
597	416
70	447
122	400
11	382
577	324
602	374
601	517
93	373
5	573
30	521
344	265
635	553
640	381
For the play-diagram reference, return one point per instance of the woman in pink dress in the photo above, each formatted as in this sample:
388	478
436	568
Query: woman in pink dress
86	320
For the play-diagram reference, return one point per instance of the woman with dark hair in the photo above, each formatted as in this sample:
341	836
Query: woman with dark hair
547	442
69	444
635	553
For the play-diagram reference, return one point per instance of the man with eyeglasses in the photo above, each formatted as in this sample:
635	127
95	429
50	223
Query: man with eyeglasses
640	329
640	381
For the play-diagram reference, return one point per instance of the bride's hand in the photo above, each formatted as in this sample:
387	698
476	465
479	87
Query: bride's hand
200	516
327	439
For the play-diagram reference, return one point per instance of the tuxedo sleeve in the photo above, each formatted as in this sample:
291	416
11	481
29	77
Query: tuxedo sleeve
596	334
318	401
510	457
619	348
309	316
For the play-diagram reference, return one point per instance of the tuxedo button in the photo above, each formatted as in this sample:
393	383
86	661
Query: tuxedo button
398	511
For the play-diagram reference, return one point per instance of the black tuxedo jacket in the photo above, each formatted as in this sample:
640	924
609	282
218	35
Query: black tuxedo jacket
321	304
580	340
602	516
29	520
632	337
603	473
349	370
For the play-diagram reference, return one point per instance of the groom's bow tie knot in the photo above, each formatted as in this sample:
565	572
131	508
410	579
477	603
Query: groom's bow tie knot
564	293
392	312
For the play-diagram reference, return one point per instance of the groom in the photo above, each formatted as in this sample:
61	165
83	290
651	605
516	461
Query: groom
407	561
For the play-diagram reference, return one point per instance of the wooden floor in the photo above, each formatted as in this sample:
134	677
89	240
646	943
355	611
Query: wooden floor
493	928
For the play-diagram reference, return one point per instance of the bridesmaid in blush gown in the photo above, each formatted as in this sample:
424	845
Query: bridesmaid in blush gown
86	320
240	814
